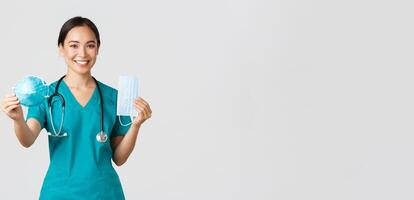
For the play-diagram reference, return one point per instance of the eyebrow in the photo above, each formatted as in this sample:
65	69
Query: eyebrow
74	41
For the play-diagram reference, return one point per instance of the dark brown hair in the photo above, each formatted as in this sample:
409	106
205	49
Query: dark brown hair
74	22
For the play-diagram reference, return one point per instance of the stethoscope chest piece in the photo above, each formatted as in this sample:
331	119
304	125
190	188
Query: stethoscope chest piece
101	137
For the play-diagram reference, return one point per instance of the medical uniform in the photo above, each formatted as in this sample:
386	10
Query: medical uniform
80	166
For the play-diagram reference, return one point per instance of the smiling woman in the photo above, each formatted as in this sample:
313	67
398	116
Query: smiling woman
79	44
80	161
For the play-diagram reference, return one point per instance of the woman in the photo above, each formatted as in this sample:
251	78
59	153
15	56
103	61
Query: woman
80	164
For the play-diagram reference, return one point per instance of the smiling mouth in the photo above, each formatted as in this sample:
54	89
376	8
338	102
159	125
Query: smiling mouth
81	62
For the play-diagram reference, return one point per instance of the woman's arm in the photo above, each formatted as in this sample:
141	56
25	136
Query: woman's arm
26	133
123	146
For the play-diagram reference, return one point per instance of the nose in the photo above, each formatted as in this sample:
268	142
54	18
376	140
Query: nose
82	52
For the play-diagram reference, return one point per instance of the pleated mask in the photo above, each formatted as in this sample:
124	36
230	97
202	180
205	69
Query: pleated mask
127	93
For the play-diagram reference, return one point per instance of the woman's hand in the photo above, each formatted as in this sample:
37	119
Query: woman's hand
122	146
144	111
11	106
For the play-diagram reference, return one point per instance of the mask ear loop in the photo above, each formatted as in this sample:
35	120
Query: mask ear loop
48	89
122	124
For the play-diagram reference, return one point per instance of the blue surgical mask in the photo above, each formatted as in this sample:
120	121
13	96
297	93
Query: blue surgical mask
127	93
31	91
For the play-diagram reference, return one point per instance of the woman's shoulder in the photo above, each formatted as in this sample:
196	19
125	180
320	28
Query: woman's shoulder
52	85
106	88
108	92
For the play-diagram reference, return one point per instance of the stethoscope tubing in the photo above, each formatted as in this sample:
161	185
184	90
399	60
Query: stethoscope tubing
56	93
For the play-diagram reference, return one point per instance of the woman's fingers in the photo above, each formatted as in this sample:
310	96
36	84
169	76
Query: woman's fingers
10	108
141	110
9	95
10	103
142	106
145	108
6	104
148	107
9	98
146	104
142	100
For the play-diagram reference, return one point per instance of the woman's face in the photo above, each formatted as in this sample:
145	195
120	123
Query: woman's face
79	49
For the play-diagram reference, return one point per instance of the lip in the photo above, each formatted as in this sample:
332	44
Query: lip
81	62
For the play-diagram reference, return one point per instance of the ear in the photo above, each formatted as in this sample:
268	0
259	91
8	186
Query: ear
61	52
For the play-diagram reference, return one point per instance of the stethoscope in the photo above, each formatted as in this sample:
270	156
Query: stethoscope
100	137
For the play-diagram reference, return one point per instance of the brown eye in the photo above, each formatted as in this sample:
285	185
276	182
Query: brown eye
73	46
91	46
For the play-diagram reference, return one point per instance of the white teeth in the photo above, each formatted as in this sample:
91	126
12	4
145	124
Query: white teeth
81	62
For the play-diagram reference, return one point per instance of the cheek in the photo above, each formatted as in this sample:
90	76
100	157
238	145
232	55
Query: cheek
69	55
93	52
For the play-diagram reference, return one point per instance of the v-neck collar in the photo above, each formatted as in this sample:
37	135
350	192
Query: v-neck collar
73	98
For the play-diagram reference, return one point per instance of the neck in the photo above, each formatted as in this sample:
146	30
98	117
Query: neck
75	80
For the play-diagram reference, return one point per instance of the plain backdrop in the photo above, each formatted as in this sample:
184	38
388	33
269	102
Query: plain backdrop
251	99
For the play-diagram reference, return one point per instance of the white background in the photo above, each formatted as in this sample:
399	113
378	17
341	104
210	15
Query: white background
251	99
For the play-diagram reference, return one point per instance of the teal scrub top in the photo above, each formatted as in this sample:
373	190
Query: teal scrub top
80	166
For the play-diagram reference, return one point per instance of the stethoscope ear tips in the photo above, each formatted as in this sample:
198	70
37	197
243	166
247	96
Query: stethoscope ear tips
57	135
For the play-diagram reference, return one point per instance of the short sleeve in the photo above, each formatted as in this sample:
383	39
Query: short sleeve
39	113
121	129
122	123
